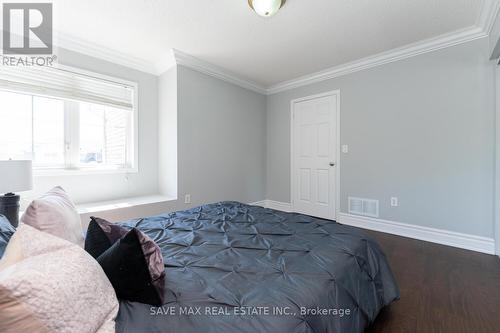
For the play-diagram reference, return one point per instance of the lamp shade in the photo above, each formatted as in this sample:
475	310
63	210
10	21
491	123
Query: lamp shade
15	176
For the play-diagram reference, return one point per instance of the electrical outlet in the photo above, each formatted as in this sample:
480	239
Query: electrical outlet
187	199
394	202
345	149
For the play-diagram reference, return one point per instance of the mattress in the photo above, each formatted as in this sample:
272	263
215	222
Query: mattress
232	267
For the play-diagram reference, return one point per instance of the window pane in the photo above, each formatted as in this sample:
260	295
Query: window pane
103	135
91	134
48	131
56	133
15	126
116	136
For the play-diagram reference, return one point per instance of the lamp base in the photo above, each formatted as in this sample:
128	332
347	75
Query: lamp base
9	206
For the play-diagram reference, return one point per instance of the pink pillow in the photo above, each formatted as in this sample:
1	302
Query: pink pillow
51	285
55	213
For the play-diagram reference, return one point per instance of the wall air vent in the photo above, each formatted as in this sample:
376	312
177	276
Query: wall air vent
363	207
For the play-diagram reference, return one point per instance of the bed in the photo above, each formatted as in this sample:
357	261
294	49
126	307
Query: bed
232	267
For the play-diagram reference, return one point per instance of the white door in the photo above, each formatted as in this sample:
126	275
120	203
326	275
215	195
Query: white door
314	160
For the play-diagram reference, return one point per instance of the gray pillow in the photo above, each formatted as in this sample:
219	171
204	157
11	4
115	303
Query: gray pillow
6	232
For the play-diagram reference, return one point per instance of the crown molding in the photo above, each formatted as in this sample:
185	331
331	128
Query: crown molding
166	62
483	27
488	14
70	43
408	51
172	58
204	67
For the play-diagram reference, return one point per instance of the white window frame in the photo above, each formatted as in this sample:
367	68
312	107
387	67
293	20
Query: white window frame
71	137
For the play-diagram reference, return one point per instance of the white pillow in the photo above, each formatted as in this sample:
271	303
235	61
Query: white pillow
55	213
50	285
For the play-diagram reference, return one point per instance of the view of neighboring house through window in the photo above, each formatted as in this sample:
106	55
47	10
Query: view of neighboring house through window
64	134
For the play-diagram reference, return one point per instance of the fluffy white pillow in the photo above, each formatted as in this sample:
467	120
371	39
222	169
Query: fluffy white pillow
50	285
55	213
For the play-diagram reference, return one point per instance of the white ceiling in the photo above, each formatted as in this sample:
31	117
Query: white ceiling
306	36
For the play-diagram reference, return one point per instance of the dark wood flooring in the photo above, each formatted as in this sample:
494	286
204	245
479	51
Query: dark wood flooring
443	289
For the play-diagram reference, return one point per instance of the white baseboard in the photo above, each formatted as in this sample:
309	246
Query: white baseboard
282	206
439	236
258	203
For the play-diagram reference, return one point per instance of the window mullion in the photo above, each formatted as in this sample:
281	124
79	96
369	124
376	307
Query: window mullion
72	134
32	129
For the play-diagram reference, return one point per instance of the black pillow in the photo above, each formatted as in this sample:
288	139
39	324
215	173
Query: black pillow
6	232
128	272
97	241
131	260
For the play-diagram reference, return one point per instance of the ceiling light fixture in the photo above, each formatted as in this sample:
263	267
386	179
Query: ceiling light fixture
266	8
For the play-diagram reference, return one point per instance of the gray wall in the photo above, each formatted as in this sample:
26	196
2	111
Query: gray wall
221	139
167	130
92	188
197	135
212	144
421	129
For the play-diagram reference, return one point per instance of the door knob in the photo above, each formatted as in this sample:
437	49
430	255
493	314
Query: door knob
332	164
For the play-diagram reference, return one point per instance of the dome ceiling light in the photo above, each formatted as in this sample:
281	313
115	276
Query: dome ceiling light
266	8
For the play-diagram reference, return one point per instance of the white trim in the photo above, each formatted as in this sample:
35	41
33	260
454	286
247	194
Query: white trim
481	29
180	58
109	205
187	60
276	205
496	202
61	172
408	51
167	62
74	44
337	94
282	206
261	203
433	235
103	206
487	15
439	236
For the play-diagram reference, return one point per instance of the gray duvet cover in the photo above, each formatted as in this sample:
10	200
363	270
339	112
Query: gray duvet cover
232	267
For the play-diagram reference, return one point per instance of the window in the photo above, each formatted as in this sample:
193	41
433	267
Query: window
62	131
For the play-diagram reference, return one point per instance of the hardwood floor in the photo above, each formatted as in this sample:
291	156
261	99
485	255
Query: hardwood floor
443	289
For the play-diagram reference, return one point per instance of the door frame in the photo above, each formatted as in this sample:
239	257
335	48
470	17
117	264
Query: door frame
336	93
496	201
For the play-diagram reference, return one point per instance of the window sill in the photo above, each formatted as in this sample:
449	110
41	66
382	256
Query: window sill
81	172
102	206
